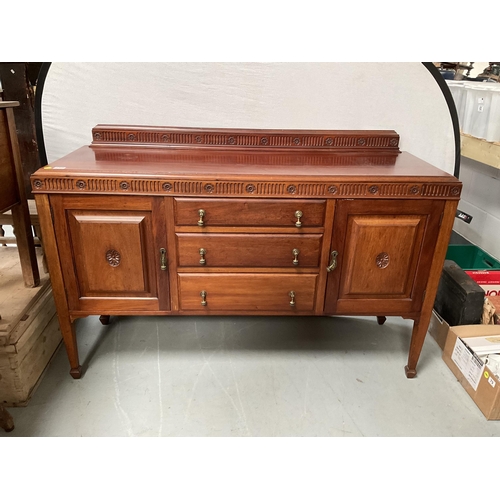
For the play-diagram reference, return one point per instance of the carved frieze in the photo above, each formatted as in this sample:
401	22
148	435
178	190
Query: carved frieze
242	138
248	188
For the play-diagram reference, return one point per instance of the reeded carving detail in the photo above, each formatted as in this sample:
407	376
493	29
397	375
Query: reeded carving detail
271	189
113	257
166	186
353	189
188	187
311	189
108	185
80	184
382	260
437	190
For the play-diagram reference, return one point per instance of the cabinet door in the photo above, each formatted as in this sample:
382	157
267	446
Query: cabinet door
384	252
111	252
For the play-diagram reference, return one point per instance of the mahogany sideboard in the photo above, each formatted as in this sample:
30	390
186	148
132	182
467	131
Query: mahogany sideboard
191	221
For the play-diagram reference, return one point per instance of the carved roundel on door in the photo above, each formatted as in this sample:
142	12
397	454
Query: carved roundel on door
382	260
113	257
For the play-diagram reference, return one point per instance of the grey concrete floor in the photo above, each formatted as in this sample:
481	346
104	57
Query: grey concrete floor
249	376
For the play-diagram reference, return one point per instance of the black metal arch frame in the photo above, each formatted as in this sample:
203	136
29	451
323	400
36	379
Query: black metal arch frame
430	67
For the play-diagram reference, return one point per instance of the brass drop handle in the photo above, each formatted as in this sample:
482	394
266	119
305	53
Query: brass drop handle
292	297
202	260
203	298
163	259
333	262
295	260
298	214
201	213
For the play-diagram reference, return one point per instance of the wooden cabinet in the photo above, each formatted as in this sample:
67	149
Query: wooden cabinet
155	220
384	252
114	246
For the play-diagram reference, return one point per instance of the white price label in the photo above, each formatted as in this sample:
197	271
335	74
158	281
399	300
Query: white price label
469	364
492	382
480	100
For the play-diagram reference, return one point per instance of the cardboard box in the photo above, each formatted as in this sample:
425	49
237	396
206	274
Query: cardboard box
489	281
438	329
481	385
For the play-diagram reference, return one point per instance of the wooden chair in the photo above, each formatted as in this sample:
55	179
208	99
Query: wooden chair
13	195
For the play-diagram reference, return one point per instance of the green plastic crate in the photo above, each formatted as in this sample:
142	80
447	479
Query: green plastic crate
471	257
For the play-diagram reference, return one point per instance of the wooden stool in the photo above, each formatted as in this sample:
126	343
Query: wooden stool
13	194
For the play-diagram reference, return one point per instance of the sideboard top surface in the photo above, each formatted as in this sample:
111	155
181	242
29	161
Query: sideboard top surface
145	161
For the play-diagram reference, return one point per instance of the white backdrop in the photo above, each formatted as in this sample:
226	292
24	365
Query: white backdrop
397	96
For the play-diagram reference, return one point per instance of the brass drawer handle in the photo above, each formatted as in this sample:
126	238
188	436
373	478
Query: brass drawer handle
292	297
333	262
295	260
201	213
202	260
298	214
203	298
163	259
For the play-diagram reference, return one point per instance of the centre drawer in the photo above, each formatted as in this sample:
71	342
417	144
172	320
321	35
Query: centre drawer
248	250
208	212
247	292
